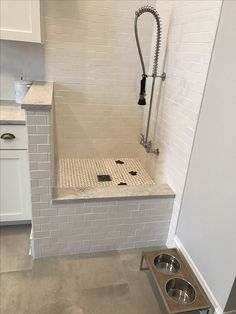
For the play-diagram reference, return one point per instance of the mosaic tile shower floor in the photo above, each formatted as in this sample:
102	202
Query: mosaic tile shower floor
102	172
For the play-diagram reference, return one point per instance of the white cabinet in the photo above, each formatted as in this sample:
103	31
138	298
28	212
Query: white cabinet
15	197
20	20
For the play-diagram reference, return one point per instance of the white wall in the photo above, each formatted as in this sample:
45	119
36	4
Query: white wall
19	59
192	31
90	52
206	226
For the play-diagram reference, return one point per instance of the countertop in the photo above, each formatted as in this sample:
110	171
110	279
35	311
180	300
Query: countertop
11	113
39	97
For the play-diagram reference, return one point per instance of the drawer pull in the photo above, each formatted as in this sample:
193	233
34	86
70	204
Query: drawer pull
8	136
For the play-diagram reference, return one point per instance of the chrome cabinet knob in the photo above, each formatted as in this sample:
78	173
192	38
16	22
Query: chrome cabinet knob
8	136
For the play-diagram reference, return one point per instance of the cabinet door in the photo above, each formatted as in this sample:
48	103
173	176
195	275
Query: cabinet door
20	20
15	197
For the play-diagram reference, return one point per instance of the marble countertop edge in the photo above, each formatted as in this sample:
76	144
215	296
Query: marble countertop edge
113	193
11	113
12	122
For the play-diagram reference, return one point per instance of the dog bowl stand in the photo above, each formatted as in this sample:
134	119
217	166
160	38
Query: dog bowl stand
200	302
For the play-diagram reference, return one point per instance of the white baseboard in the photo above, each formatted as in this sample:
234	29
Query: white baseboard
179	245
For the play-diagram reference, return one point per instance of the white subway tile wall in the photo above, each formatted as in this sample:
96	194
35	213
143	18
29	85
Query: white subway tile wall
90	53
86	226
191	36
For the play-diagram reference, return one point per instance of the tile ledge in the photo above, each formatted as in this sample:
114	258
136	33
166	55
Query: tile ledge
39	96
114	193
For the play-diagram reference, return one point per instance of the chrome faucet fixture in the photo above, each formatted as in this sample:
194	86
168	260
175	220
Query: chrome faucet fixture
142	100
148	145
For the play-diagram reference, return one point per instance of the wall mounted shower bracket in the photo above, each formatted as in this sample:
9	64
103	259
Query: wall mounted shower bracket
163	76
148	146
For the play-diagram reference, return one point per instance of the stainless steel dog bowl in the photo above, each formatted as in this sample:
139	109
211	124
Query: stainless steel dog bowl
180	291
167	264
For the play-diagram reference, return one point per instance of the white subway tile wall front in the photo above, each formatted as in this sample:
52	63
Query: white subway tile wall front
191	37
85	226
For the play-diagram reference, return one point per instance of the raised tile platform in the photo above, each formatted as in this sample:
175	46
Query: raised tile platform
89	219
79	179
103	172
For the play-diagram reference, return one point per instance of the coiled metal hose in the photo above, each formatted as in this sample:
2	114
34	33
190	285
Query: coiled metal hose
154	12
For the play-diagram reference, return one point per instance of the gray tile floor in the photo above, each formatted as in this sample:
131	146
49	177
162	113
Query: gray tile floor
108	283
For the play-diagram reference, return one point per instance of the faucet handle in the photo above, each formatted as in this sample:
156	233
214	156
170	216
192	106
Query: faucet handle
141	141
150	149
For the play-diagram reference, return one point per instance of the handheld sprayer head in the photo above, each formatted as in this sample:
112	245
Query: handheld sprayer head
142	94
